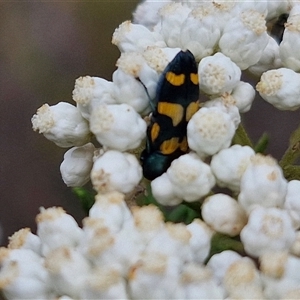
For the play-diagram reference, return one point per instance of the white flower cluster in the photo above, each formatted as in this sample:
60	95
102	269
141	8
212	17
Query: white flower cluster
133	254
117	254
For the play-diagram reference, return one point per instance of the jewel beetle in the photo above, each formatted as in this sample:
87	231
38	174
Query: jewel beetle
177	99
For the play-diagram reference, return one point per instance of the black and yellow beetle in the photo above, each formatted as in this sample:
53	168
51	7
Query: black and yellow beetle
177	99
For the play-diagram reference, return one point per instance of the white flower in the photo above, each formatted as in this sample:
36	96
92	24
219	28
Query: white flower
56	229
172	17
103	247
280	274
148	222
276	8
200	239
243	94
68	270
104	283
188	178
199	32
91	91
291	40
227	104
220	262
130	37
218	74
112	209
198	283
244	38
25	239
118	126
22	275
62	124
77	165
242	280
262	183
209	131
268	229
229	165
176	238
147	14
292	203
155	276
280	88
158	58
224	214
116	171
134	82
269	60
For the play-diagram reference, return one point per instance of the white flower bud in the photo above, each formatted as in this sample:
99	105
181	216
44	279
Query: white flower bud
91	91
269	59
280	88
224	214
198	283
291	40
262	183
172	17
209	131
200	32
188	178
200	239
118	126
22	275
218	74
116	171
148	221
130	37
242	280
25	239
112	209
106	248
128	89
244	38
77	165
281	276
227	104
175	237
68	270
155	276
229	165
276	8
104	283
56	228
158	58
62	124
292	203
243	94
268	229
220	262
147	12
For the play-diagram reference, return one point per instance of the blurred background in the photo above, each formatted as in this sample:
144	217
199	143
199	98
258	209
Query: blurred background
44	47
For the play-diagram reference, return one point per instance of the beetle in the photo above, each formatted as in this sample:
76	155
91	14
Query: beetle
177	99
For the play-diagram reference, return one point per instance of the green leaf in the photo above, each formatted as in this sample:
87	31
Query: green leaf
221	242
86	198
262	144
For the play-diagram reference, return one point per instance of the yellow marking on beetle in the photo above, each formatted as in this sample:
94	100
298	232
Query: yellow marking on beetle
154	131
169	146
183	146
174	79
191	109
172	110
194	78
